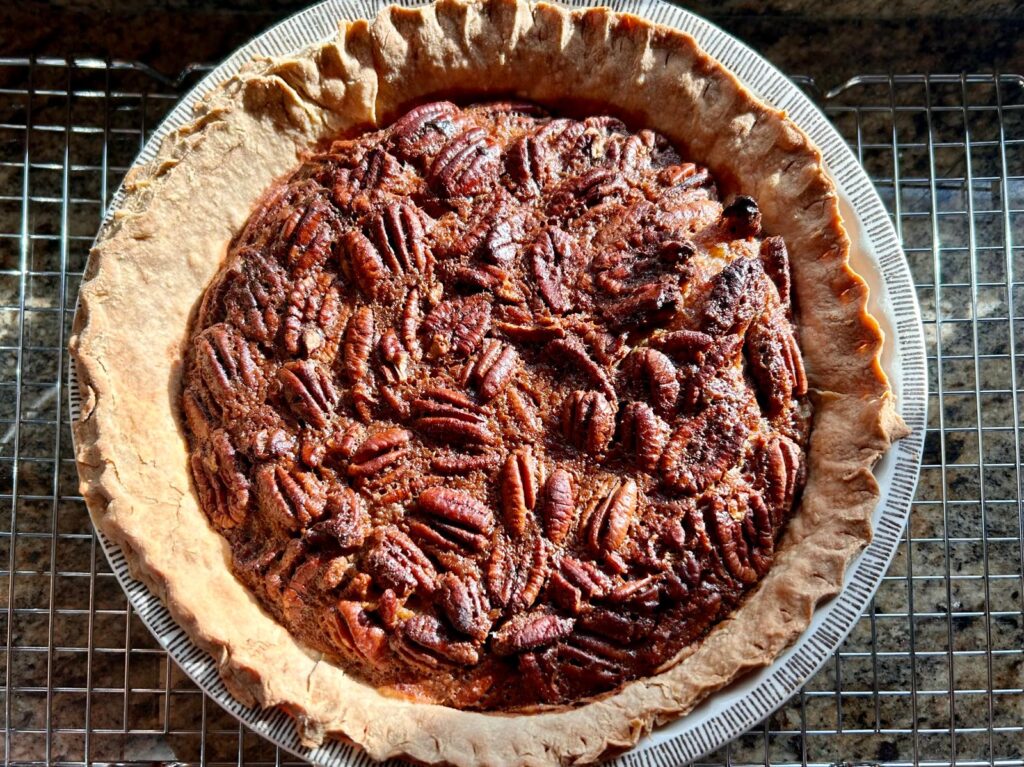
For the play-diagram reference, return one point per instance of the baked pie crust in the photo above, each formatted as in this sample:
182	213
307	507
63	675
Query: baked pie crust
182	212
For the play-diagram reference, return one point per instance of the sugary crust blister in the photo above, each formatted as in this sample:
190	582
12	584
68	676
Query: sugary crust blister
151	264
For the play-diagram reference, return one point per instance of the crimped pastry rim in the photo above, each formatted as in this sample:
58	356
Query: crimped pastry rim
884	406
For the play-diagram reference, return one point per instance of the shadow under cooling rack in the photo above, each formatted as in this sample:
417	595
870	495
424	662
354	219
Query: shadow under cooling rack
932	673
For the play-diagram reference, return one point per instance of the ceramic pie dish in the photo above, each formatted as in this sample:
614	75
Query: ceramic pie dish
492	431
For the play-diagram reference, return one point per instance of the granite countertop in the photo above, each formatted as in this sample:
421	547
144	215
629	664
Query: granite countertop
830	42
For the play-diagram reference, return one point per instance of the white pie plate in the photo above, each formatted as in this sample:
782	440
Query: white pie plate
876	255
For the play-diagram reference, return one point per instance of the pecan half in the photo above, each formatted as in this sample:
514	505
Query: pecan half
392	248
778	471
314	316
262	435
520	324
354	629
524	165
465	605
252	299
588	421
455	521
458	508
399	232
494	368
289	497
410	323
689	345
451	416
501	243
379	451
364	264
631	154
684	578
309	391
622	629
613	272
775	362
703	449
421	132
649	303
273	222
279	567
346	521
577	584
312	235
775	259
640	594
759	528
359	341
359	338
657	374
519	481
354	175
499	281
536	161
607	520
427	642
523	406
587	661
389	609
466	165
555	261
395	562
539	677
643	435
394	359
558	506
573	351
596	186
457	325
377	169
530	631
516	572
229	368
731	545
735	297
450	462
223	489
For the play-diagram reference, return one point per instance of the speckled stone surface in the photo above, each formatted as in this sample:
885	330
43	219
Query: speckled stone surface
829	41
934	673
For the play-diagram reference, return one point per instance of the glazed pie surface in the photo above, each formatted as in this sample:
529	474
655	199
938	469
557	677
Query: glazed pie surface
498	408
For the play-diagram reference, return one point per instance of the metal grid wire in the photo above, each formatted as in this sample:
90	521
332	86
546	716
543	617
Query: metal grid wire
932	673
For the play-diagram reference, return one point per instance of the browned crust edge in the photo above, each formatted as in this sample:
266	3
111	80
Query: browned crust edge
167	241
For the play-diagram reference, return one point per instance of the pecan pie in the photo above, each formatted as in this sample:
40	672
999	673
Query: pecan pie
497	408
484	434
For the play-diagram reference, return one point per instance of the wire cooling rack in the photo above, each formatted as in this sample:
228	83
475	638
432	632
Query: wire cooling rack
933	672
